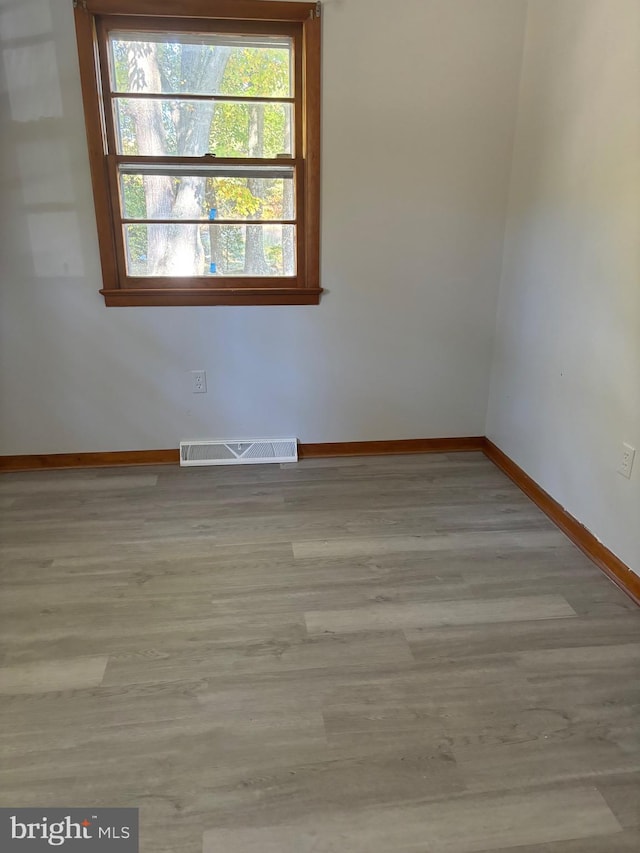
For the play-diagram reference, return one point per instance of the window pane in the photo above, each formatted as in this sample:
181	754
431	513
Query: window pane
213	193
202	64
160	127
210	250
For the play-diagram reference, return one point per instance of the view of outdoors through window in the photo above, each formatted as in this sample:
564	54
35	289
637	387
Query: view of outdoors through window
192	95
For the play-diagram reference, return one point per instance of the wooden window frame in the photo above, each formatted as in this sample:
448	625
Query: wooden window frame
299	20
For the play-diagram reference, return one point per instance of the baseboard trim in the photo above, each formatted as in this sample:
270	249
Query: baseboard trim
606	560
383	448
42	461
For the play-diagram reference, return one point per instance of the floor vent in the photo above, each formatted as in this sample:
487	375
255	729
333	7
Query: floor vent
244	452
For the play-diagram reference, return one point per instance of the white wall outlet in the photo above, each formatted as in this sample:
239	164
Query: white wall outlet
199	381
626	461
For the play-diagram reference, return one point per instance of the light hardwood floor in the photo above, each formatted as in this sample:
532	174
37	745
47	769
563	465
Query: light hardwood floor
357	655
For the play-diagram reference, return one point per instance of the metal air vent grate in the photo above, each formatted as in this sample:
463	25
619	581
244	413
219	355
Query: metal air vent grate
242	452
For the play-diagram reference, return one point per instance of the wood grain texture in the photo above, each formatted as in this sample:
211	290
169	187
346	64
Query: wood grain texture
261	10
311	141
386	616
461	826
605	559
44	677
96	142
45	487
378	448
109	458
482	694
131	297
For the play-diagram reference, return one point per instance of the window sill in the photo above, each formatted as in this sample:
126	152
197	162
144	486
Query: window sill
129	297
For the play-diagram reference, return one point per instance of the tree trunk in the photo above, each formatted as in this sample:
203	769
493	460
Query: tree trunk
254	260
143	73
201	72
176	249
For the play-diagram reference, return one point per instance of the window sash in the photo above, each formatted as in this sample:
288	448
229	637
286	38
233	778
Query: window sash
213	171
298	20
209	36
114	23
153	165
117	24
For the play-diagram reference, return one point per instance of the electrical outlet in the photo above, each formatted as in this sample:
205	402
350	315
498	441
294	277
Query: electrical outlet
199	381
626	461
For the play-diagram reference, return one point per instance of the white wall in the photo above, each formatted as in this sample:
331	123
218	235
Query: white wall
419	110
565	390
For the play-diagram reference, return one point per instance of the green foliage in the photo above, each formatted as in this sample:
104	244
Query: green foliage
136	242
230	129
135	207
274	259
257	73
233	198
135	202
230	249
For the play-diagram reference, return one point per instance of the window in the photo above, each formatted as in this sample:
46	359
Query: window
203	125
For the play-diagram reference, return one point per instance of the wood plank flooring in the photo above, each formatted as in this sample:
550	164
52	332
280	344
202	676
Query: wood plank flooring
355	655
